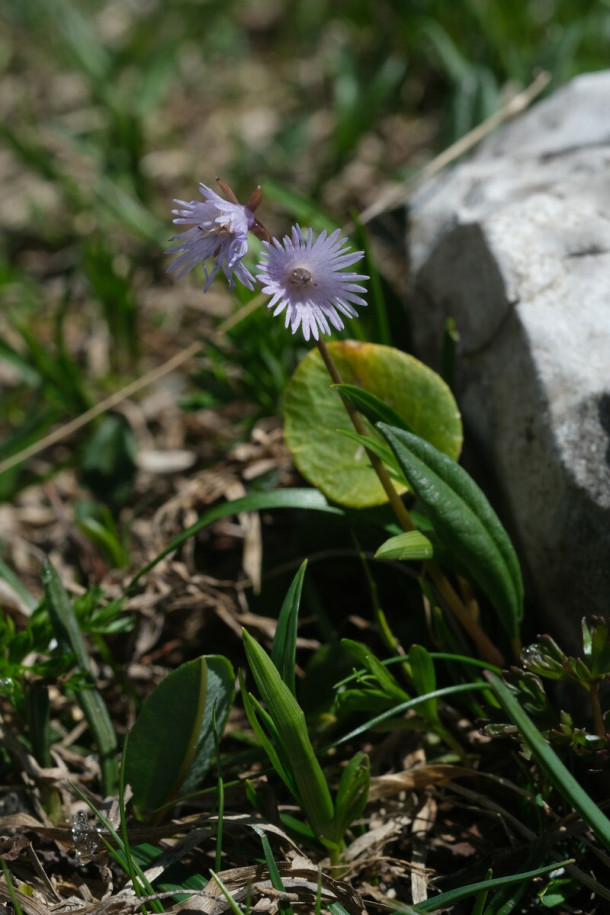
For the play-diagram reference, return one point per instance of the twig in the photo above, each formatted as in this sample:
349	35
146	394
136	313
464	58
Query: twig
102	407
400	194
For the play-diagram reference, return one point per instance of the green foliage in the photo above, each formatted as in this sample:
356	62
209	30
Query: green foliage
114	292
440	902
556	771
290	740
70	639
410	545
96	522
171	745
93	616
105	110
284	649
282	732
374	689
252	362
582	679
464	520
50	648
352	794
313	413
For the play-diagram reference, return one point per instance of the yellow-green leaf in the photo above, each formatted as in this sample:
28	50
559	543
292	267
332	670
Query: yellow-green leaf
313	412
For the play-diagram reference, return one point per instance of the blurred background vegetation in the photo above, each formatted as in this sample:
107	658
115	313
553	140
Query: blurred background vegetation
110	108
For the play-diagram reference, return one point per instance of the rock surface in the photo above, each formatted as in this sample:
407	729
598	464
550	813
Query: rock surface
514	244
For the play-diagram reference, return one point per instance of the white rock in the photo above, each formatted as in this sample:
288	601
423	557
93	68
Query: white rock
515	246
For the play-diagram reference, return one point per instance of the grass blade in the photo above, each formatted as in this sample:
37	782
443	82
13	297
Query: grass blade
68	634
462	892
274	874
119	853
309	499
562	779
13	582
12	892
283	653
288	717
233	906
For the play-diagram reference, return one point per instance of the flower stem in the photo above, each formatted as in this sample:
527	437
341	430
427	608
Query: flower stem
598	717
486	648
396	502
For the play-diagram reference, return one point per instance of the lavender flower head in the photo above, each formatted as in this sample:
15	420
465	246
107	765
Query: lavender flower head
219	230
307	279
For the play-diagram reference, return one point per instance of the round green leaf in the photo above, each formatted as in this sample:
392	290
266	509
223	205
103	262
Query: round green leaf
313	414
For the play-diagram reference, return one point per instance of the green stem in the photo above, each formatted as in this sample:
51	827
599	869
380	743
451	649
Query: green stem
396	502
598	717
485	646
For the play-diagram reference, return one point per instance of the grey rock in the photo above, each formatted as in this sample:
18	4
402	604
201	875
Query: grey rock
514	244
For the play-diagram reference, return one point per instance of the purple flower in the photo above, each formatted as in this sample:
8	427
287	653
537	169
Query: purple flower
219	230
307	278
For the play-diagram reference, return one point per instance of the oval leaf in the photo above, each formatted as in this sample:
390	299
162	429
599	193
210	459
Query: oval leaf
218	702
409	545
172	736
464	520
313	413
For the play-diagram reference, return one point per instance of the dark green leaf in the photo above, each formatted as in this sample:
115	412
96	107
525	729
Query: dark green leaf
108	463
283	653
289	720
352	794
171	744
374	408
464	520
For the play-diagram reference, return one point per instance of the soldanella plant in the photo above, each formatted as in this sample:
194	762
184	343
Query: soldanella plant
401	451
402	448
406	434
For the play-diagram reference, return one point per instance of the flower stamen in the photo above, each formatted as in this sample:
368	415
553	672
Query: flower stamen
301	277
